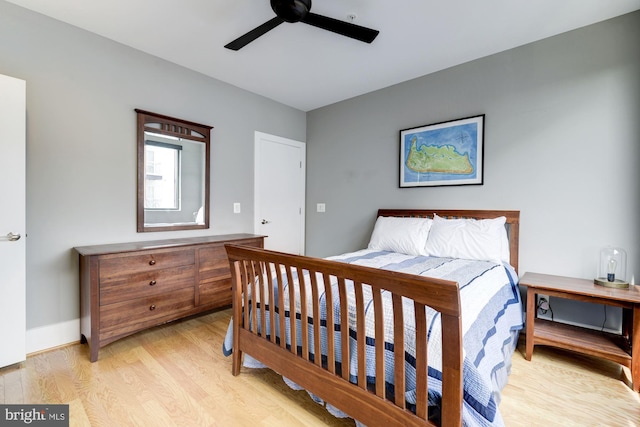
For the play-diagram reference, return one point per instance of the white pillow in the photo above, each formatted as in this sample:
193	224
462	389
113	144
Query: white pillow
398	234
484	239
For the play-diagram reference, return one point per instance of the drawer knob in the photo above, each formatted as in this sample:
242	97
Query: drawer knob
152	307
152	262
151	283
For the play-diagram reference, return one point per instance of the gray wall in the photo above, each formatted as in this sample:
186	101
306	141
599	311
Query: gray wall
81	150
561	145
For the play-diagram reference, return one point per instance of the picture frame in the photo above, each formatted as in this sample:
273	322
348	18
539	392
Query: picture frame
444	153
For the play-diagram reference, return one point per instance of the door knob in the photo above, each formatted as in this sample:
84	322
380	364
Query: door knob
264	221
13	237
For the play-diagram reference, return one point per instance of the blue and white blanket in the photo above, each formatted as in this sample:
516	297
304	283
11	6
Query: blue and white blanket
491	320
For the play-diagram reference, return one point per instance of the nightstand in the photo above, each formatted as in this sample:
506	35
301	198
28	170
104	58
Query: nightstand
623	349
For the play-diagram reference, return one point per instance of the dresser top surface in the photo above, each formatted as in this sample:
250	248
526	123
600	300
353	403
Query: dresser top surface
161	244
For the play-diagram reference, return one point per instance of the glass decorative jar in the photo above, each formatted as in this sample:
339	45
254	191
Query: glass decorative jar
612	271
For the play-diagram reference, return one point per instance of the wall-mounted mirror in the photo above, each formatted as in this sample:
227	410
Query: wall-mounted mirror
173	173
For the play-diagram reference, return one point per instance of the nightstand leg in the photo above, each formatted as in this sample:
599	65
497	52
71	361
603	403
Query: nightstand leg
531	315
635	349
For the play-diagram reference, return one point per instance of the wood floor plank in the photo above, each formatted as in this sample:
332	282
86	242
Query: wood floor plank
176	375
559	387
12	387
77	413
167	349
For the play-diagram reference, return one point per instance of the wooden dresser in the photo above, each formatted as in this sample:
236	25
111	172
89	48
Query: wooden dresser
128	287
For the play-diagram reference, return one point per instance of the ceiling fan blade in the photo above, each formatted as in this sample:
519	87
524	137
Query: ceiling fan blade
348	29
244	40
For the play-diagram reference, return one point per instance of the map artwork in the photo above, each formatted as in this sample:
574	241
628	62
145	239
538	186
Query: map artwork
442	154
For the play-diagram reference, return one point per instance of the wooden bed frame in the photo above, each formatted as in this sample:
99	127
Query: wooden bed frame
371	407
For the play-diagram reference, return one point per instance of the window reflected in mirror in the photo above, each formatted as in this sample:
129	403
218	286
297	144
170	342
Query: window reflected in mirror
173	173
162	175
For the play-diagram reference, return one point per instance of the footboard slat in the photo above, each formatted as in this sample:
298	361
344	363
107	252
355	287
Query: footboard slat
237	304
281	317
325	286
381	390
331	343
315	298
249	279
293	339
451	371
272	313
304	318
398	350
253	280
422	380
360	333
345	354
261	286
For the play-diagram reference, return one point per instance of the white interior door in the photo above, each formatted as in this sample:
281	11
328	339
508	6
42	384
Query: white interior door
12	221
280	192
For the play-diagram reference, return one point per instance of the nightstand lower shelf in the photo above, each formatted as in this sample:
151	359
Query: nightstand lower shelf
586	341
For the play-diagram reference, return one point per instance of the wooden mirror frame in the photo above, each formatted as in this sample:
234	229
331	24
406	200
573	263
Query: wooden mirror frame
171	127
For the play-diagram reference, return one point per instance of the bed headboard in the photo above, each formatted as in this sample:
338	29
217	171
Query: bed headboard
512	224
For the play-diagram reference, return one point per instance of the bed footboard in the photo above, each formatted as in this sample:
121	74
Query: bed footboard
319	359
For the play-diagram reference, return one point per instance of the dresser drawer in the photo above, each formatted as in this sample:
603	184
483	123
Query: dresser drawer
216	294
149	283
127	316
118	265
213	263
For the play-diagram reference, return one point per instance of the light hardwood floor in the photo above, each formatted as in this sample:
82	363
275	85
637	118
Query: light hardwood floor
176	375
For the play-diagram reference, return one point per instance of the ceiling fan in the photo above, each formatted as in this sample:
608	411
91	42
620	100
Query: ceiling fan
299	11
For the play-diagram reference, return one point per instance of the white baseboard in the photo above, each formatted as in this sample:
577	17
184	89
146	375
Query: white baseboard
51	336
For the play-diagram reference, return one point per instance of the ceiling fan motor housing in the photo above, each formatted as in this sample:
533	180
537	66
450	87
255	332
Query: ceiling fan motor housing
291	10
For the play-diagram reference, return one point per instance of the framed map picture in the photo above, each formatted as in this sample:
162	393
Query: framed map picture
447	153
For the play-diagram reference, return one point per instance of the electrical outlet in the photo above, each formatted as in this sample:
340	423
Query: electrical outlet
540	297
236	207
542	304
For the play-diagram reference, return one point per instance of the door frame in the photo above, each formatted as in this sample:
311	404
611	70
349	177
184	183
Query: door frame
257	215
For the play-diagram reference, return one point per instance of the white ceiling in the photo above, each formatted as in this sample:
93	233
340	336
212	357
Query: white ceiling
306	67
